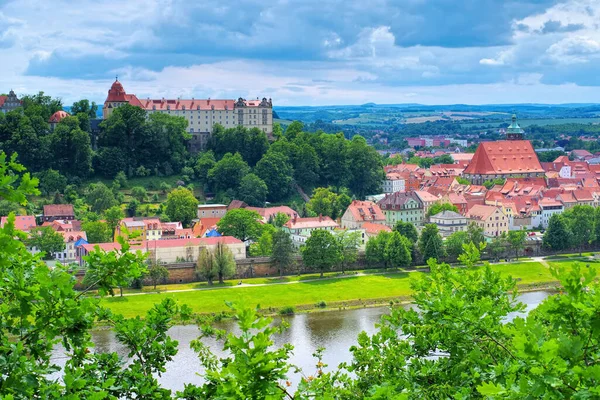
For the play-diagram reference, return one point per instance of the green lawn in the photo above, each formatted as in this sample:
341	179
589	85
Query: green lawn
568	264
305	293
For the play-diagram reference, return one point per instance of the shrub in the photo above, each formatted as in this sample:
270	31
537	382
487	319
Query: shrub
287	310
321	304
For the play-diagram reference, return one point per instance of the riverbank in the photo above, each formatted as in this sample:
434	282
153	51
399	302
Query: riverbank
337	293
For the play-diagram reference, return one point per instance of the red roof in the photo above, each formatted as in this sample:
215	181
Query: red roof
155	244
2	100
268	212
373	229
58	116
365	211
504	157
58	210
22	222
481	212
116	93
311	223
180	104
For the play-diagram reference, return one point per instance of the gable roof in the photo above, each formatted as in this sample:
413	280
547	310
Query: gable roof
481	212
504	157
57	210
365	211
373	228
398	200
447	215
311	223
22	222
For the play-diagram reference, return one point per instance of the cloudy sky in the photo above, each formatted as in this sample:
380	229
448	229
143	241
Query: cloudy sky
308	52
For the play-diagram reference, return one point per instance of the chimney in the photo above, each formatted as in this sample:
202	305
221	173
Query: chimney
295	217
320	217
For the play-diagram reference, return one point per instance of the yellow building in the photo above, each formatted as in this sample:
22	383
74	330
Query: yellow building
491	219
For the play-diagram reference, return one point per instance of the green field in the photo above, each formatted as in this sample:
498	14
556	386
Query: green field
529	122
334	290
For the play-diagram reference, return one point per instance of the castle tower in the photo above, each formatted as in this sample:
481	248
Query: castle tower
514	131
116	98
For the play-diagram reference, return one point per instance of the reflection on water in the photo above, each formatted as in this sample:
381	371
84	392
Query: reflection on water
336	331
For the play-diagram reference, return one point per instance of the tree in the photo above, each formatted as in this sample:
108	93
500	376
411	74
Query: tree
253	191
283	251
100	197
46	240
181	206
557	236
438	207
471	254
240	223
430	243
206	161
157	273
326	202
497	247
132	208
454	243
97	231
51	181
113	217
228	172
120	180
264	246
276	171
224	263
348	241
279	220
139	193
72	148
516	240
84	106
475	233
375	249
580	221
407	230
397	251
205	268
321	251
366	168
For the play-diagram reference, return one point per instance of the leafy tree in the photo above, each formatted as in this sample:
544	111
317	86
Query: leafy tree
282	254
462	181
206	161
438	207
253	191
51	181
224	263
228	172
349	242
407	230
397	251
375	249
332	151
72	148
279	220
240	223
205	268
120	180
264	246
516	240
475	233
100	197
471	254
132	207
157	273
165	187
557	236
493	182
430	243
113	216
444	159
84	106
325	202
181	206
321	251
454	244
139	193
46	240
580	221
97	231
276	171
293	130
366	168
497	246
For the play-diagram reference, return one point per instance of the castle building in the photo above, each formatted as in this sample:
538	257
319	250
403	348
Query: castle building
201	114
511	158
9	103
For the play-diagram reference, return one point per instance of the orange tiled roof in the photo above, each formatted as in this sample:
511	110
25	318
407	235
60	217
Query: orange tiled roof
504	157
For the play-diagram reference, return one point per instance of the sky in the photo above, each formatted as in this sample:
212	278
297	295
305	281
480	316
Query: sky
306	52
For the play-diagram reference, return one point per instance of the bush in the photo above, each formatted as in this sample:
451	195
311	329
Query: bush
287	310
321	304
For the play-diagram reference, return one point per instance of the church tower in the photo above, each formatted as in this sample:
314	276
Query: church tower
116	97
514	131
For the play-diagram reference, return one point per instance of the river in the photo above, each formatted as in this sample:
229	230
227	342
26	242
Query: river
336	331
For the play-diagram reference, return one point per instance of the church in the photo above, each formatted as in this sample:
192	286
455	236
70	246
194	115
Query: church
510	158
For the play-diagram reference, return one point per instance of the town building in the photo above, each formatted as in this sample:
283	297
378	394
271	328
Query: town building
427	199
300	229
139	229
201	114
268	213
360	212
56	118
512	158
491	219
72	240
394	182
449	222
549	207
58	212
399	206
211	210
9	102
23	223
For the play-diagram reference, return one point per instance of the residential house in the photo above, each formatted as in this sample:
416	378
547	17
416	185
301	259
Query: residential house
23	223
300	229
491	219
360	212
394	182
449	222
399	206
72	240
268	213
457	200
204	225
58	211
427	199
211	210
139	229
372	229
549	207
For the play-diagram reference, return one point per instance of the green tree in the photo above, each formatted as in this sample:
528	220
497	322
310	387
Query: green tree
454	243
264	246
253	191
139	193
580	221
84	106
471	254
279	220
46	240
181	206
51	181
407	230
333	153
437	208
120	180
516	241
430	243
366	168
475	233
282	254
321	251
205	268
397	251
497	247
72	148
349	242
322	202
375	249
100	197
113	216
132	208
206	161
276	171
224	263
157	273
228	172
557	236
97	231
240	223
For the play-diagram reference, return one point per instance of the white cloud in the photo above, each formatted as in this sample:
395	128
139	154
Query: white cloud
573	50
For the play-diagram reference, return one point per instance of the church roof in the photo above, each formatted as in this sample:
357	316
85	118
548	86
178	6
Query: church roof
504	157
514	127
58	116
